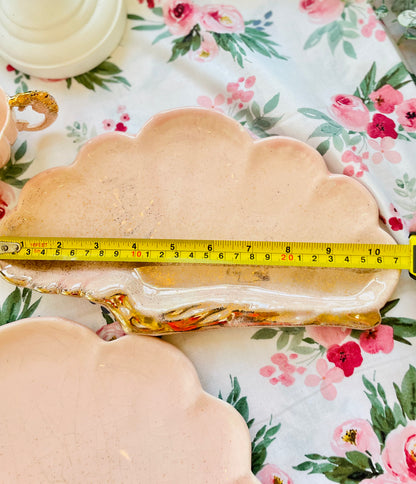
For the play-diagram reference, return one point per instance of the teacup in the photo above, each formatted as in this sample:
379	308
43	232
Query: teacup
40	102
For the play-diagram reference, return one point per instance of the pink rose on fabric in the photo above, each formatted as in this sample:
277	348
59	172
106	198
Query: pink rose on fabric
326	378
180	16
350	112
381	126
108	124
355	434
208	49
384	149
327	336
111	331
347	356
322	11
399	454
377	339
271	474
396	223
221	19
406	114
121	127
7	198
386	98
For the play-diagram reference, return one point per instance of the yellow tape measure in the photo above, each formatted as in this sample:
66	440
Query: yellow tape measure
234	252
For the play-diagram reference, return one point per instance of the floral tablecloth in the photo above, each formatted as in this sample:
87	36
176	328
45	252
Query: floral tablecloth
321	404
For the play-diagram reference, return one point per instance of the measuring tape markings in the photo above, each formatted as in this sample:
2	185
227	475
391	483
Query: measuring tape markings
298	254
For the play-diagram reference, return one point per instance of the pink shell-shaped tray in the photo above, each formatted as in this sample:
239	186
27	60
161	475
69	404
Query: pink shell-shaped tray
75	408
195	173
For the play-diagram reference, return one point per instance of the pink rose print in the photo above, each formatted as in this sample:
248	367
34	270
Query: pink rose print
180	16
208	49
399	454
7	198
109	124
221	19
121	127
271	474
111	331
350	112
327	336
355	434
386	98
215	104
377	339
322	11
381	126
347	356
396	223
406	114
326	379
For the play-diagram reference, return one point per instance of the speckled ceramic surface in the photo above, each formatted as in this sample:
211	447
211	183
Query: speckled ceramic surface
78	409
195	173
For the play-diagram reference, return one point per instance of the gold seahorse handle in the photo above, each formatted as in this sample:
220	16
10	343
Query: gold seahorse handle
41	102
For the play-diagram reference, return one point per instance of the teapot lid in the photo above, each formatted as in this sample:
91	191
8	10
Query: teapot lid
62	39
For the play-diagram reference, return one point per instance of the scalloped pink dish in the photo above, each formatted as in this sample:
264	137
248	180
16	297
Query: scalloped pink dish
75	408
195	173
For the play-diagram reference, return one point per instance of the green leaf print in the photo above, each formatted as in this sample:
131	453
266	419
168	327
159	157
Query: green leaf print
406	190
384	418
17	306
254	38
105	73
352	468
263	437
367	85
15	168
255	119
359	465
338	31
395	77
402	327
406	394
264	333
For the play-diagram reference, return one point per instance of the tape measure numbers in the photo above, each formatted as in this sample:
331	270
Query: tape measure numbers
235	252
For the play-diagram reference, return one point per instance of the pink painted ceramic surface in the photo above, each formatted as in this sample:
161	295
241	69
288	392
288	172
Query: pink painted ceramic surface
8	129
75	408
195	173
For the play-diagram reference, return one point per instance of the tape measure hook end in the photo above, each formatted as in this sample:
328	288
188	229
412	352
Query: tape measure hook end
9	247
